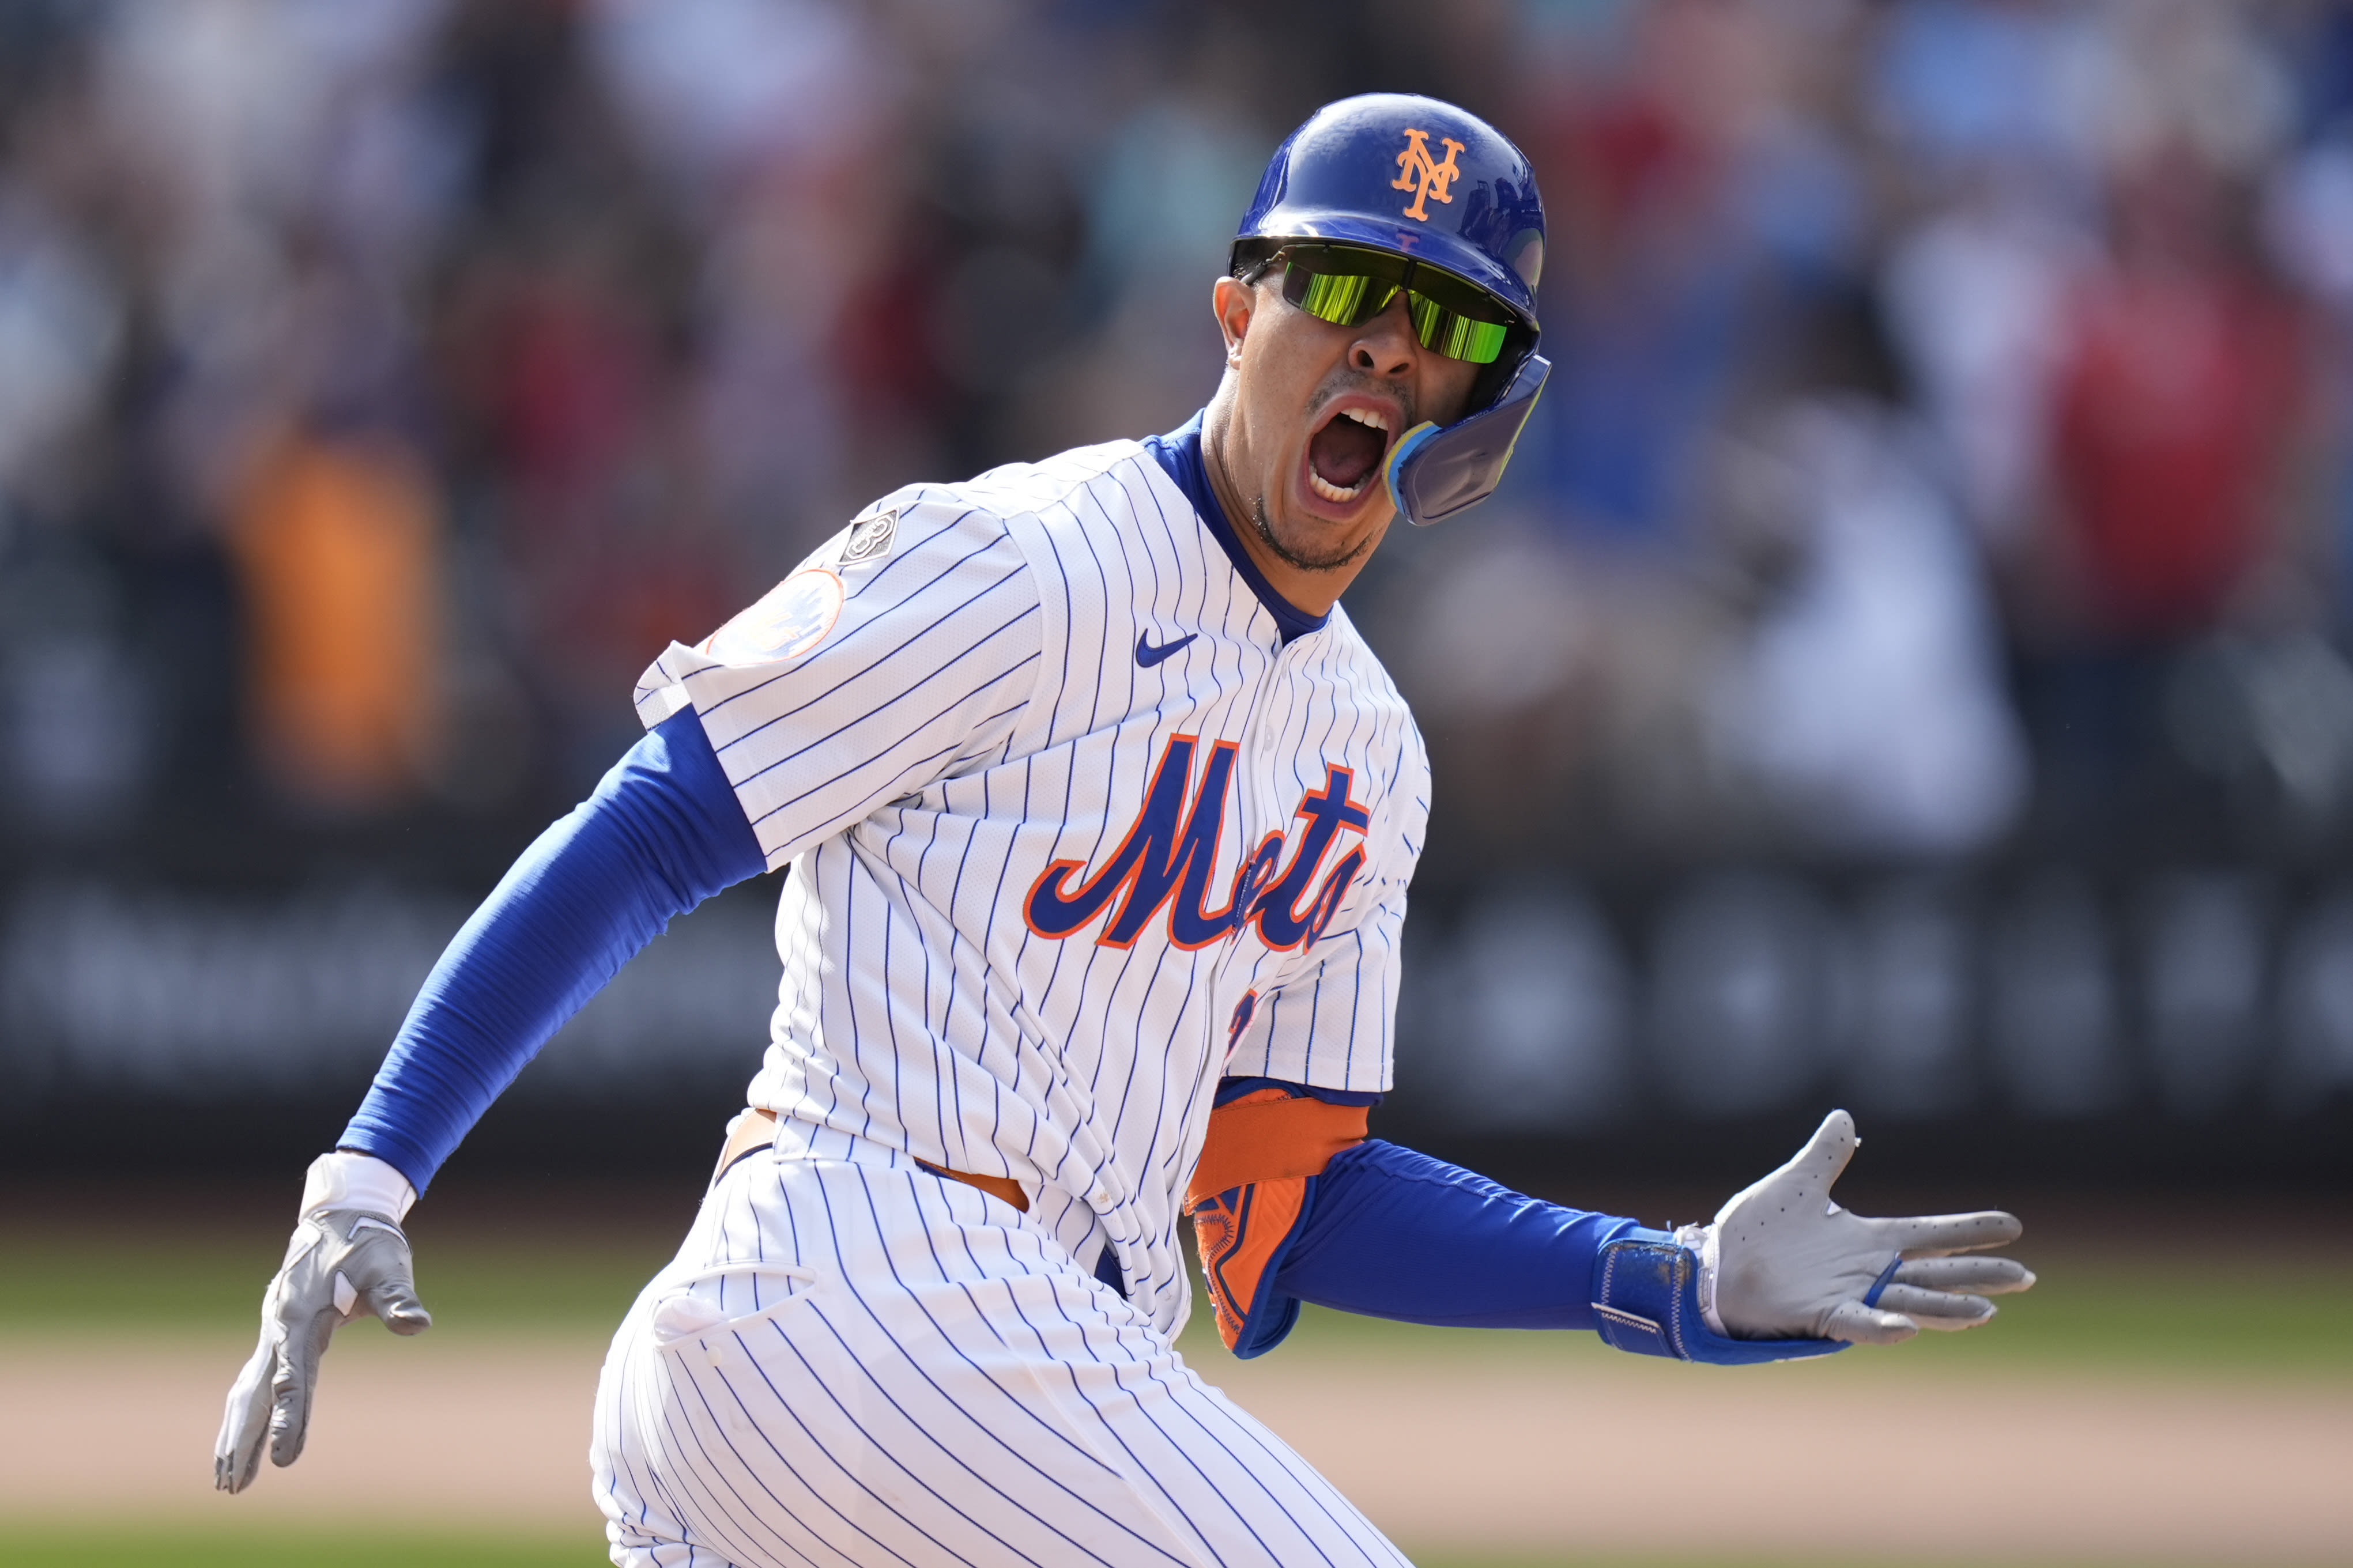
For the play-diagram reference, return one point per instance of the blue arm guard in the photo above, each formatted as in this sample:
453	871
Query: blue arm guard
662	833
1389	1233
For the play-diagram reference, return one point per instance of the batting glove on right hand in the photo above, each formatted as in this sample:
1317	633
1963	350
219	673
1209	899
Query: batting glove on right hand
347	1257
1782	1261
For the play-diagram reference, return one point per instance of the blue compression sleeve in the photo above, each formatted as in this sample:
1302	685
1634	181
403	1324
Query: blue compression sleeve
1389	1233
662	833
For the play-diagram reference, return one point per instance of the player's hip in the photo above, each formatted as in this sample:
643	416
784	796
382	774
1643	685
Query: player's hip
875	1354
863	1363
879	1237
1074	1182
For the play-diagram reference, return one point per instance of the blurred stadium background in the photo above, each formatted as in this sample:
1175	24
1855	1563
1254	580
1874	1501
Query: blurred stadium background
1907	666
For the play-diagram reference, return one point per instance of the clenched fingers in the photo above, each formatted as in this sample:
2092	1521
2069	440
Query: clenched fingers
395	1301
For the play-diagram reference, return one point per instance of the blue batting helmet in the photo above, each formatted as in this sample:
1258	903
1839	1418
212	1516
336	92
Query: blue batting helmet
1421	179
1414	177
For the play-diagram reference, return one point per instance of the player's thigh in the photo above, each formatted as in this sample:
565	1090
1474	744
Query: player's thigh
935	1383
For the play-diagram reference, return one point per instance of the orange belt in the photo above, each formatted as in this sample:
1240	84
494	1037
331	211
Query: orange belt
755	1129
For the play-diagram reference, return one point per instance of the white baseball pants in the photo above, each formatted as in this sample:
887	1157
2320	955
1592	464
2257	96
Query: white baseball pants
868	1365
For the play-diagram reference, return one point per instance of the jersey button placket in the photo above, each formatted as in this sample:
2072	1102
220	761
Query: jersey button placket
1262	813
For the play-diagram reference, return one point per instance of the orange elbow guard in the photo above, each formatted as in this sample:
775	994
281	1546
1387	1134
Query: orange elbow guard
1268	1135
1248	1191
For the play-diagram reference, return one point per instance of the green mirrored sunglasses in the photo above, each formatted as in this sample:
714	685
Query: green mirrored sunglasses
1348	287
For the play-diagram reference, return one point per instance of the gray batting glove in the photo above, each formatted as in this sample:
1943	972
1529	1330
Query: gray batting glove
347	1258
1783	1261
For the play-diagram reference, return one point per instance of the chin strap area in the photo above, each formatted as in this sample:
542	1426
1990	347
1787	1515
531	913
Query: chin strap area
1434	472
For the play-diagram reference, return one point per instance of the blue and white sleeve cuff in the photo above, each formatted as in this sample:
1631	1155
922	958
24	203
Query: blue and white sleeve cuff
1646	1299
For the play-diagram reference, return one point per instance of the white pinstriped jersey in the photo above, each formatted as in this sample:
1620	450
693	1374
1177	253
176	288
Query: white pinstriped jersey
1075	832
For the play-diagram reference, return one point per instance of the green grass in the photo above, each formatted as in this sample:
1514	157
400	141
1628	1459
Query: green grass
2145	1312
178	1283
2138	1315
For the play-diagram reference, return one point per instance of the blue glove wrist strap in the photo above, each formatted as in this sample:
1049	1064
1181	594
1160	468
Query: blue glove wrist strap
1646	1297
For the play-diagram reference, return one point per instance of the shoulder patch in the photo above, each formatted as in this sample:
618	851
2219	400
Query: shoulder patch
793	617
871	538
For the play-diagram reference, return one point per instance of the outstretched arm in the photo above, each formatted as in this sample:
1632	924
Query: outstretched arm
858	678
1369	1227
662	834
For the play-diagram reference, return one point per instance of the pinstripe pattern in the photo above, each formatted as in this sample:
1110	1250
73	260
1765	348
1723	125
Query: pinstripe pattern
931	1384
976	714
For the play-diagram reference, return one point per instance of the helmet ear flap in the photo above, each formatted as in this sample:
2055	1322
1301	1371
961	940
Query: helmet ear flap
1495	378
1433	473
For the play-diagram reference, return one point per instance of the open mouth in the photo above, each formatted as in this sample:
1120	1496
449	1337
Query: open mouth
1343	457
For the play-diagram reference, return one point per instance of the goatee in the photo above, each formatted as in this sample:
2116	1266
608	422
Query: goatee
1291	557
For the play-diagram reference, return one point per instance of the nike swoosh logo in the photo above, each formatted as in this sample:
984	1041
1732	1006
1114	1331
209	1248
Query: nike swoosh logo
1148	656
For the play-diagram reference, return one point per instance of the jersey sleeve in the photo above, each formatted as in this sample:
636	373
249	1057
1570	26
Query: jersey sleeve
1332	1023
903	650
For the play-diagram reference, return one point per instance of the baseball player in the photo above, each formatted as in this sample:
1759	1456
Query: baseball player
1099	816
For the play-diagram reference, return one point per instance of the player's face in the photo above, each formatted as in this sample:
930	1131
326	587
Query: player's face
1300	426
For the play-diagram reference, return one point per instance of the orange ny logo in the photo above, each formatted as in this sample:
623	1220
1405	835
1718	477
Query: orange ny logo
1422	177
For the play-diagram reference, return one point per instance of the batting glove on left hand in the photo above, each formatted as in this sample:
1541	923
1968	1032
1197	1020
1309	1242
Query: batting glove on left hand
347	1257
1782	1261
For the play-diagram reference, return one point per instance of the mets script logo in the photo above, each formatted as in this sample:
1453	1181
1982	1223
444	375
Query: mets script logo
1169	854
1422	177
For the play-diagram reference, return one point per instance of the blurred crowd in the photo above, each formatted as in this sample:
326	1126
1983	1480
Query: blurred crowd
1949	452
1908	656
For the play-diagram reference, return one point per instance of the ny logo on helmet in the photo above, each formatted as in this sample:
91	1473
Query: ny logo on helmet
1421	175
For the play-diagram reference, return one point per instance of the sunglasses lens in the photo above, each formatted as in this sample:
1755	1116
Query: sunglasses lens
1320	286
1342	298
1455	335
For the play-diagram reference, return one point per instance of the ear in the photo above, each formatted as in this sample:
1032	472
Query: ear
1235	303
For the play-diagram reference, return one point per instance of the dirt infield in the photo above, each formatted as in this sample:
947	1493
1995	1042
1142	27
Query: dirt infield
1798	1459
1548	1455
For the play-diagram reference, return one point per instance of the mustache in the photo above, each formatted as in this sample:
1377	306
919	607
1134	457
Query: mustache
1347	379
